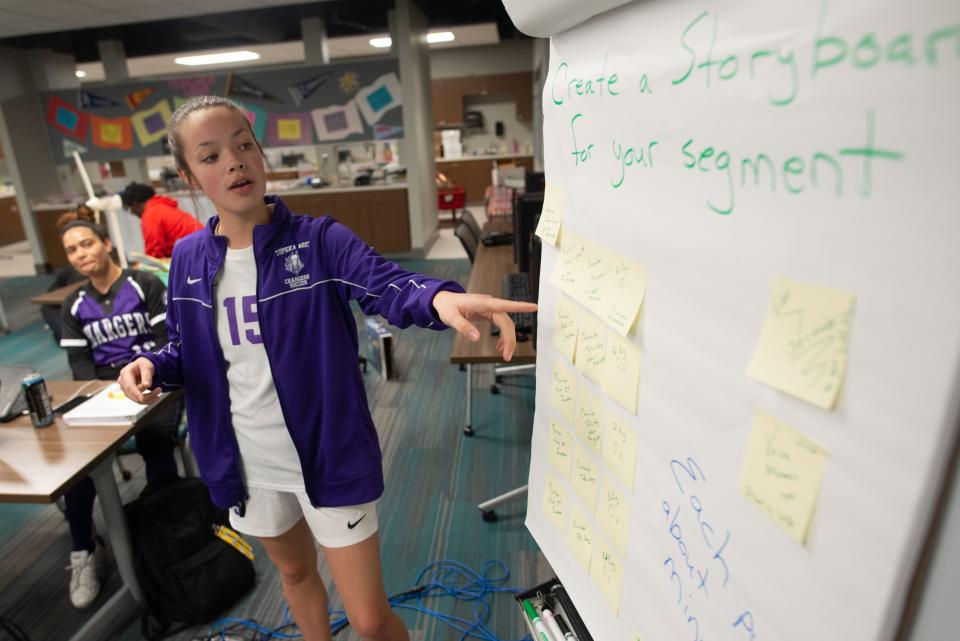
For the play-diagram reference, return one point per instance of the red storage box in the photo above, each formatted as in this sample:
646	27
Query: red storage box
451	198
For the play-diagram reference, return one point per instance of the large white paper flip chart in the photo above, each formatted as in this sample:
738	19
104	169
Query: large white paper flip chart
755	455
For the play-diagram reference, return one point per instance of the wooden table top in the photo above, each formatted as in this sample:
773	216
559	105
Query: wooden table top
490	265
37	465
57	296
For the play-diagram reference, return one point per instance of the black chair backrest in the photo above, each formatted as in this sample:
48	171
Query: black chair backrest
468	218
467	239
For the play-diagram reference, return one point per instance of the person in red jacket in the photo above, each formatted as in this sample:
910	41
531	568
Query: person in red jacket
161	221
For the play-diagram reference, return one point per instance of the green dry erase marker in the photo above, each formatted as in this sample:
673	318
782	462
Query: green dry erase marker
535	621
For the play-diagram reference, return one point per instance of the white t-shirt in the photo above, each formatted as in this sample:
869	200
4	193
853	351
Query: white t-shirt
266	449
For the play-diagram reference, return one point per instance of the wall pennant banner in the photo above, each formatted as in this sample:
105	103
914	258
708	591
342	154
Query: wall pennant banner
151	124
303	90
90	100
237	86
289	129
337	122
382	132
136	98
193	87
112	133
380	97
67	119
257	118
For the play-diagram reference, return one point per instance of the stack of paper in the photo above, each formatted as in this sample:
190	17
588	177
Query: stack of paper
108	407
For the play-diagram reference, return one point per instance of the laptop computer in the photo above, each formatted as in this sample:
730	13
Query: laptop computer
12	400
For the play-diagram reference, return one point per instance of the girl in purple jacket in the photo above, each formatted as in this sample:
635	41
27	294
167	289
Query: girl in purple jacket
278	417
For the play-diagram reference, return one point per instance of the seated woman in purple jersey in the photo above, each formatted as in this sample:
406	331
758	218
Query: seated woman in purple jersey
107	323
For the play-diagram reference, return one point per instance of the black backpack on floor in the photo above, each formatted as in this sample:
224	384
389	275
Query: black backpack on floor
186	572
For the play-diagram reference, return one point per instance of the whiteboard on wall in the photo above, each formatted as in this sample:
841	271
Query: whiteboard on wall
833	132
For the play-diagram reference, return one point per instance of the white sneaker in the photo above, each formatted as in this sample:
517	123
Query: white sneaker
85	576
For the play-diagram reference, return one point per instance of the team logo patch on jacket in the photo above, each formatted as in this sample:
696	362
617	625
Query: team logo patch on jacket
293	263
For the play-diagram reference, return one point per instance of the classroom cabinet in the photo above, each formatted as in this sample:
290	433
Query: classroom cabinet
447	97
11	228
474	174
448	93
379	216
46	220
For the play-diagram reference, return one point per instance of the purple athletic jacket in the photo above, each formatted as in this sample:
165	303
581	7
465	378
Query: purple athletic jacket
307	271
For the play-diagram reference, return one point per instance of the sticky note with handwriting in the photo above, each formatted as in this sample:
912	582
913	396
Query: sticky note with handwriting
591	353
597	264
588	417
551	217
563	391
586	477
803	342
613	515
554	502
580	536
570	270
621	373
781	474
606	570
560	449
620	448
625	289
565	327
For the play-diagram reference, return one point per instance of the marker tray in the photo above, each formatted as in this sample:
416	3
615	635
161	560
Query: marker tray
553	593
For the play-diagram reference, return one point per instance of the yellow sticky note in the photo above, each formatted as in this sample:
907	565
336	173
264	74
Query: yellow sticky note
803	343
621	374
781	474
560	450
288	129
551	217
554	502
592	293
613	515
569	272
585	477
591	353
580	536
619	451
606	570
562	396
625	288
588	417
565	327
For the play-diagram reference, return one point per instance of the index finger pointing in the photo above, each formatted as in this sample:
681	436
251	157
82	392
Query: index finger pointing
502	305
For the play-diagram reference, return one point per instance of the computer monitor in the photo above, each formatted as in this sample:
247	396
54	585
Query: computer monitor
526	212
535	246
534	181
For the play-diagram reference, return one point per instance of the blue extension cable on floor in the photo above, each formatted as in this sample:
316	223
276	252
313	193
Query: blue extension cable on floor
438	579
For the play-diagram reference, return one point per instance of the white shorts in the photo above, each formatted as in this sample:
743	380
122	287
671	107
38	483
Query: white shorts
273	512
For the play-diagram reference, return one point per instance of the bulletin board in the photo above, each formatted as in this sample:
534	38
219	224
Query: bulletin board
287	106
749	332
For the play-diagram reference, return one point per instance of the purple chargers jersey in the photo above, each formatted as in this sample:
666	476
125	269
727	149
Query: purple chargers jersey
116	326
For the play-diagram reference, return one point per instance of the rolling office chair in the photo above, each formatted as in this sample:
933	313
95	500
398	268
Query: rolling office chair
467	239
467	217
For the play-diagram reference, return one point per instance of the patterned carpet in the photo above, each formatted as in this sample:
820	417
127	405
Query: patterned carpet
435	476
